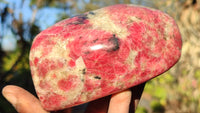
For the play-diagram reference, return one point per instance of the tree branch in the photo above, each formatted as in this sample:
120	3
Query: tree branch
23	51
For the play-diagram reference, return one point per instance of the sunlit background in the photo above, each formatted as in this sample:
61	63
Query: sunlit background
176	91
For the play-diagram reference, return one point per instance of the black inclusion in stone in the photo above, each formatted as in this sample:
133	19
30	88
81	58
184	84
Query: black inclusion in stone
115	42
94	41
80	19
92	13
84	71
97	77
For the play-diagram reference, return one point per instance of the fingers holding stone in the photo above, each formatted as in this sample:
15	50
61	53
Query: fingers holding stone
98	106
119	102
136	95
22	100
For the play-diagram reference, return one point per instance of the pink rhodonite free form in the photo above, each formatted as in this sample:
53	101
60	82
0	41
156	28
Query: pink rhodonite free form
102	52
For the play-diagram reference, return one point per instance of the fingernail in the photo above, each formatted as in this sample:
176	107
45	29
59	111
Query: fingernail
9	96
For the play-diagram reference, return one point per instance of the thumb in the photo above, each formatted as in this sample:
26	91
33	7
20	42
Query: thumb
22	100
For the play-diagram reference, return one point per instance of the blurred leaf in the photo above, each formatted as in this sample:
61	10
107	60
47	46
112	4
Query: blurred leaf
10	59
197	74
141	110
62	16
33	2
184	72
169	78
157	107
160	92
90	6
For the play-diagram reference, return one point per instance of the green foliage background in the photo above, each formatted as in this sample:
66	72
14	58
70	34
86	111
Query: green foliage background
176	91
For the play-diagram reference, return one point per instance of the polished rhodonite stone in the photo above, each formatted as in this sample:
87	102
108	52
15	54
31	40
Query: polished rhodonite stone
102	52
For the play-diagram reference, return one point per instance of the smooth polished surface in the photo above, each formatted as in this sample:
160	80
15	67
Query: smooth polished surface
102	52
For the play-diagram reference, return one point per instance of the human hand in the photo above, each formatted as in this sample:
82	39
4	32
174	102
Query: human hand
122	102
